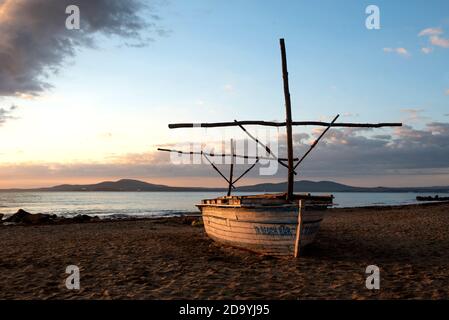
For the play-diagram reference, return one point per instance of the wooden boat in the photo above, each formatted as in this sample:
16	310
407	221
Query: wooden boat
275	224
266	223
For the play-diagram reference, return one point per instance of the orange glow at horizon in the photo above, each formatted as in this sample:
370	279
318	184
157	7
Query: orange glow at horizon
217	182
208	182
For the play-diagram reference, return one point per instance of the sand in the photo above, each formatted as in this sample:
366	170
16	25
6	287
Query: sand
169	259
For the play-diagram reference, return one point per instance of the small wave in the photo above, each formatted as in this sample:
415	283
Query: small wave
153	214
124	215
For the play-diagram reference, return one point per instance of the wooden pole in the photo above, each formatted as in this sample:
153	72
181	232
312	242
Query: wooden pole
298	229
232	168
246	171
267	149
288	123
316	142
223	155
216	169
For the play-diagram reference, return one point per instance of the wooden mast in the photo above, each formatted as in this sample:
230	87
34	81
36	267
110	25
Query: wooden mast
288	123
231	173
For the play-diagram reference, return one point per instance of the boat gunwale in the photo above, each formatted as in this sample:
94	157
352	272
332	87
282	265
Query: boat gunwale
248	206
223	202
297	196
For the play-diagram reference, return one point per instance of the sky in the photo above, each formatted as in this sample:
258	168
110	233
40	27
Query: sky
87	105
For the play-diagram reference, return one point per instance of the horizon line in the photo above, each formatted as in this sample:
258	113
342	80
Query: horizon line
216	188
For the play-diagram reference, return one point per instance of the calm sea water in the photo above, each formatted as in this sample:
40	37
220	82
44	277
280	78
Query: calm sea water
122	204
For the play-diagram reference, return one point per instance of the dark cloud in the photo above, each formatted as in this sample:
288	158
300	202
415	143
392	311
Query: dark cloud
341	154
35	43
6	114
348	152
382	136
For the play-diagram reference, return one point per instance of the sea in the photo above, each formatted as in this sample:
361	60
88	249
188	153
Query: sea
158	204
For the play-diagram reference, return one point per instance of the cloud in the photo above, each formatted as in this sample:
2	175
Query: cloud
34	42
343	153
382	136
406	148
434	35
400	51
430	32
6	114
426	50
105	135
440	42
413	115
350	114
228	88
447	92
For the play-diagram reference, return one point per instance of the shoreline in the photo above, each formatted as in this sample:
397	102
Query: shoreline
181	214
172	258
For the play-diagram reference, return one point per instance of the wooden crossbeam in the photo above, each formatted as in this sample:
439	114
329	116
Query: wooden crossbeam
282	124
205	155
223	155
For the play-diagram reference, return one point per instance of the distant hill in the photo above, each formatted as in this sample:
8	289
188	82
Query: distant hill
330	186
300	186
120	185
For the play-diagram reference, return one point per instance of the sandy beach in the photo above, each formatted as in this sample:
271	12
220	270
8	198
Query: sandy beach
171	259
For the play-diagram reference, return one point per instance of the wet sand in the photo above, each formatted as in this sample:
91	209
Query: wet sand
170	259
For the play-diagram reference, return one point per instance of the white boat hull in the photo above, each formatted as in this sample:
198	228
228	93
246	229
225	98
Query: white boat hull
263	229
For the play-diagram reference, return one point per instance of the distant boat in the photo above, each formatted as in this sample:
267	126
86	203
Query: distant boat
274	224
430	198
